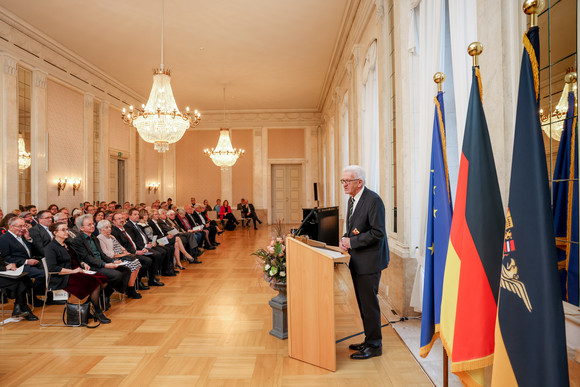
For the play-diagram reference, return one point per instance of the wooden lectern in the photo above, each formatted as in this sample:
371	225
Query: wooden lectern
310	270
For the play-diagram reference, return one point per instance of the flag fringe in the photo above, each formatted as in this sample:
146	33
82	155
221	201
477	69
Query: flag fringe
443	145
533	62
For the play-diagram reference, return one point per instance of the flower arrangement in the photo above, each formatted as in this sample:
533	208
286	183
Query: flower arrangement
272	259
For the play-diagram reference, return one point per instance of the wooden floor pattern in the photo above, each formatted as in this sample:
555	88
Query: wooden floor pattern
206	327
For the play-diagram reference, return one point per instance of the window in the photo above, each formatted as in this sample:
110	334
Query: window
558	42
369	151
24	112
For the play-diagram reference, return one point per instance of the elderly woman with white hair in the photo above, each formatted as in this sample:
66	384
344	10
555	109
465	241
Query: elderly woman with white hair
113	249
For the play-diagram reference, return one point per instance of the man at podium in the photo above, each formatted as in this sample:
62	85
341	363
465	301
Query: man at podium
365	240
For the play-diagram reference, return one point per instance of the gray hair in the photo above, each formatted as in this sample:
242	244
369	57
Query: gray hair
59	216
162	211
103	223
13	220
170	212
356	170
181	211
81	219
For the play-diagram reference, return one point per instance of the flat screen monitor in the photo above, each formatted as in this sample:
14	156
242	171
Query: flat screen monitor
323	225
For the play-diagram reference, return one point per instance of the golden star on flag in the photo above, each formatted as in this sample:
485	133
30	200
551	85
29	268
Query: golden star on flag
432	248
435	213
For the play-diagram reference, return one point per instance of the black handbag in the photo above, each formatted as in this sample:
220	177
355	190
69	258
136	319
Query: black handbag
78	315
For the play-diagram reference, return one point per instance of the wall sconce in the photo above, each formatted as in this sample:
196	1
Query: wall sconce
61	184
76	185
153	186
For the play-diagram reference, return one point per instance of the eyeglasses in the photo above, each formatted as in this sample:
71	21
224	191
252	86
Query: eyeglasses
345	181
63	229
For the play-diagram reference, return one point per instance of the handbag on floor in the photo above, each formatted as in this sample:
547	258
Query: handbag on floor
78	315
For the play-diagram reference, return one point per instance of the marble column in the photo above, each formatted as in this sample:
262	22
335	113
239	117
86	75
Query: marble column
104	153
258	170
227	191
167	176
9	136
38	135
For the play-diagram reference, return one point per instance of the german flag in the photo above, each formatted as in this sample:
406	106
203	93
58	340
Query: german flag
530	341
472	271
438	227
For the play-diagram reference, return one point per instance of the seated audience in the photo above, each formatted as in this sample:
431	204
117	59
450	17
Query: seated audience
200	219
178	247
113	249
149	263
40	234
53	208
111	206
189	218
17	288
169	203
71	277
226	212
16	247
216	208
97	217
249	212
88	250
189	239
163	256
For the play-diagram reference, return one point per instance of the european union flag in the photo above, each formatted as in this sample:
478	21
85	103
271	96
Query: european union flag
530	340
565	194
438	226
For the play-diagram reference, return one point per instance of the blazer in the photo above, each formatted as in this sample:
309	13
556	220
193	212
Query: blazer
13	251
224	210
85	254
157	230
122	239
166	226
135	234
369	250
197	218
57	258
40	238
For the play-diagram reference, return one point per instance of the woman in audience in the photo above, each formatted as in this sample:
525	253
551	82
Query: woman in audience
207	206
143	223
188	239
156	226
99	215
4	223
226	212
53	208
73	280
113	249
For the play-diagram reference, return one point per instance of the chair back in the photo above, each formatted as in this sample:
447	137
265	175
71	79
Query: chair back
46	273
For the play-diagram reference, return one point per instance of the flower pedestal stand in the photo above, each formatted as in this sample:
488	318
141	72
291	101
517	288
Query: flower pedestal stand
279	307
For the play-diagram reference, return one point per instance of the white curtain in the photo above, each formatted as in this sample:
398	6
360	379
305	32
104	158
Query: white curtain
370	119
425	61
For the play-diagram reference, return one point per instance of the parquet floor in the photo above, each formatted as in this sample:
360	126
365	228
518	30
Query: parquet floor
207	327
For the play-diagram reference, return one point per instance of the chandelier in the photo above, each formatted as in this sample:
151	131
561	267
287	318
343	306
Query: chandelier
160	122
23	156
224	155
553	124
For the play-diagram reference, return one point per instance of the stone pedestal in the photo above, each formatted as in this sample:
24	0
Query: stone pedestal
279	306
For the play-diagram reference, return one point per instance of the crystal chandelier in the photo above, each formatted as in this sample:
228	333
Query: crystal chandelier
224	155
23	156
160	122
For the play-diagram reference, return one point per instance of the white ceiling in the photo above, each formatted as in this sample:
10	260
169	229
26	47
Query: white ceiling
273	54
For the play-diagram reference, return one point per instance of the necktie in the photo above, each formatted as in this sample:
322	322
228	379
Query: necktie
130	240
186	223
350	206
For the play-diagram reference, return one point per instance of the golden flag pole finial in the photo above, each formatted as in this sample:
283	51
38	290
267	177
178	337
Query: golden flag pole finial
571	77
475	49
533	8
439	78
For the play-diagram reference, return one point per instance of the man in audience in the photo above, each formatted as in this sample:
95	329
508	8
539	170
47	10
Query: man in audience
249	212
91	209
169	203
53	208
200	220
150	261
34	212
189	239
40	234
189	218
103	206
18	286
88	250
112	206
183	225
126	205
85	207
192	201
141	241
218	204
16	247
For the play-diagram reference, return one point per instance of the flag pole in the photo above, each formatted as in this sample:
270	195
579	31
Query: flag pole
439	78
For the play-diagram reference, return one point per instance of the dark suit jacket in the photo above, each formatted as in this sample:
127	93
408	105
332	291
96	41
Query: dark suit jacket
84	252
191	219
40	238
165	226
157	230
135	234
197	219
123	240
369	252
13	251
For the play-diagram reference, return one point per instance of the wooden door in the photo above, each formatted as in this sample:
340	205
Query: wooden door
286	193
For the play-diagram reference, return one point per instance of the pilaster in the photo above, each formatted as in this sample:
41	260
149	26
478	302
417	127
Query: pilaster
89	154
39	145
9	129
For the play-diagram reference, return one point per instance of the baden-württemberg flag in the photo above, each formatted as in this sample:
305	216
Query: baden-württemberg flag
438	227
472	270
565	194
530	343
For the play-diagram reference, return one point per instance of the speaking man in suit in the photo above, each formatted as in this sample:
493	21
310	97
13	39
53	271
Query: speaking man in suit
366	241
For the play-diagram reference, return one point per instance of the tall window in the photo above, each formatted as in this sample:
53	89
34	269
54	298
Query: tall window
393	105
24	111
344	140
558	44
332	181
369	150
